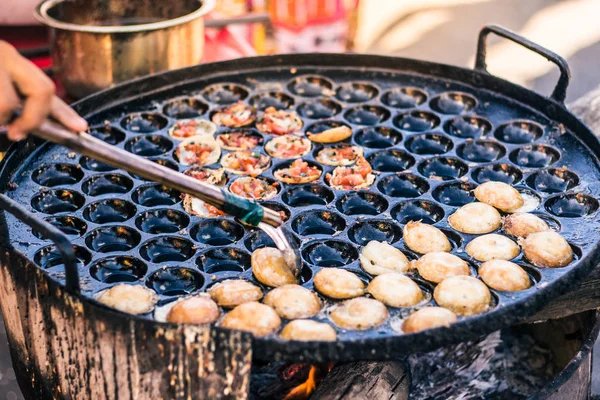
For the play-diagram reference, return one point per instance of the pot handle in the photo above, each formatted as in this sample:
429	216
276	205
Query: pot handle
560	91
63	244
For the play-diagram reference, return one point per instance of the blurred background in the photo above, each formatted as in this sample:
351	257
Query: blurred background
437	30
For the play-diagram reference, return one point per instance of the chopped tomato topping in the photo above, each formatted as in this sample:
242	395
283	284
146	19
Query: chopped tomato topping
214	211
239	140
252	188
196	153
184	129
350	177
343	153
291	148
247	162
299	171
279	122
237	114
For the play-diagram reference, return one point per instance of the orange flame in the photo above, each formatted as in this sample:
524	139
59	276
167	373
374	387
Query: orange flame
315	375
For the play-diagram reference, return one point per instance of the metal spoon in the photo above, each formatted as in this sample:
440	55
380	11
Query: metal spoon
248	211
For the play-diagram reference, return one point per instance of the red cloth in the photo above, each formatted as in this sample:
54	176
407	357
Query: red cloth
27	37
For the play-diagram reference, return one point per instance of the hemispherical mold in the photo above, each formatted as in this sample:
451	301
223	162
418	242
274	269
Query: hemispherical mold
225	93
108	239
391	160
71	226
109	211
287	164
468	127
403	185
217	232
174	281
322	126
356	92
108	134
418	210
519	132
318	222
98	185
94	165
163	220
57	201
329	253
167	248
572	205
429	144
310	86
184	108
553	180
319	109
277	100
223	259
361	203
455	194
283	211
497	173
404	97
57	174
118	269
381	230
155	195
536	156
160	161
453	103
378	137
417	121
148	145
51	257
307	195
443	168
480	151
367	115
144	122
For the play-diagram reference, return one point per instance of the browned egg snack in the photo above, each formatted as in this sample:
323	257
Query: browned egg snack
288	146
339	155
547	250
428	318
464	295
492	247
499	195
381	258
338	283
308	330
194	310
424	238
233	292
504	275
475	218
332	135
522	224
132	299
395	290
439	265
293	302
269	267
235	115
279	122
259	319
359	314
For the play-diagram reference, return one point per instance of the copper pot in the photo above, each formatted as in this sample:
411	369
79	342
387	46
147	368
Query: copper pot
98	43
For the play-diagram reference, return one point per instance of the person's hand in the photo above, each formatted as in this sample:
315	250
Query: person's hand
24	85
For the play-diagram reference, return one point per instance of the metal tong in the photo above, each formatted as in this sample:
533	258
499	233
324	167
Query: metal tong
248	211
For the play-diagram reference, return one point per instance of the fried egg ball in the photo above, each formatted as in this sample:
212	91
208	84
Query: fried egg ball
359	314
492	247
307	330
256	318
270	268
194	310
428	318
504	275
293	302
132	299
523	224
233	292
437	266
379	258
464	295
547	250
499	195
475	218
424	238
338	283
395	290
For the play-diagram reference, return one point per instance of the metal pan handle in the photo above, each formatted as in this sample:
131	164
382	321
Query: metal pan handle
560	91
63	244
